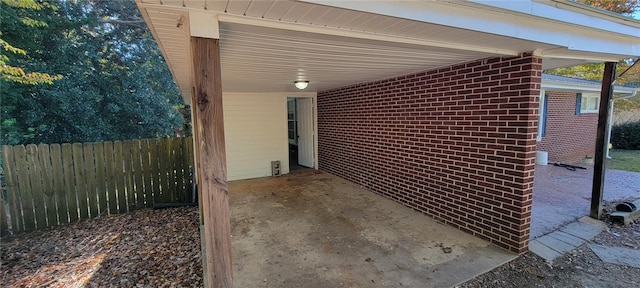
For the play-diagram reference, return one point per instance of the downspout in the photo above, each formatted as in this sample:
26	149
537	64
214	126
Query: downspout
611	120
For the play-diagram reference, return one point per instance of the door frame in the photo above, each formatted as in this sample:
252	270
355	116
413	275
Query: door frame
314	101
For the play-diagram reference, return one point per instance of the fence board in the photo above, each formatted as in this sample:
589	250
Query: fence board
119	173
185	170
98	152
177	162
26	201
35	182
188	164
69	182
181	172
138	183
58	183
90	174
13	188
162	170
111	186
127	147
146	175
155	175
48	191
4	223
80	179
171	169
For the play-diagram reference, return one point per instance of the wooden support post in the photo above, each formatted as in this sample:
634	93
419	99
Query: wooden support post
606	97
212	174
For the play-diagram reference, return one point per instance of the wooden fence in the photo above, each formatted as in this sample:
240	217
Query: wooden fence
48	185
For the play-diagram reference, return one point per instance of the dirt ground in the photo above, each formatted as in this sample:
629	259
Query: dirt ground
578	268
145	248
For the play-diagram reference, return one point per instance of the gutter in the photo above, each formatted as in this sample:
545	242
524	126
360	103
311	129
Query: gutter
556	85
581	7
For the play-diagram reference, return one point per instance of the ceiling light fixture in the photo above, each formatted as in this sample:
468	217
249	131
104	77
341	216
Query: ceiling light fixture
301	84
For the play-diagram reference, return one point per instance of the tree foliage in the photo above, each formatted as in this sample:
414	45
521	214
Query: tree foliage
114	83
625	7
15	73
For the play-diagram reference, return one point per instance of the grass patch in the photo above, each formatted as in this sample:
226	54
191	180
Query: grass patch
628	160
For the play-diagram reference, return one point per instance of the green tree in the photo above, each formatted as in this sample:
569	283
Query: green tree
115	84
15	73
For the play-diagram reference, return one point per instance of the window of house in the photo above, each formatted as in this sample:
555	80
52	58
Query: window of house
542	115
587	103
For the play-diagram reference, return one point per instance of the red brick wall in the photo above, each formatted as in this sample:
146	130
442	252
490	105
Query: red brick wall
456	143
569	137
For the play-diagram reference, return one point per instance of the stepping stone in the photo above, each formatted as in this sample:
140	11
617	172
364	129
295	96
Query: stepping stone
567	238
555	244
584	230
617	255
543	251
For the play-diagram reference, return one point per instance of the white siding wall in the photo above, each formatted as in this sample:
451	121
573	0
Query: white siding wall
256	132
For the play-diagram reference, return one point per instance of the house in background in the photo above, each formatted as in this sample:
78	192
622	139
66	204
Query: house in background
569	117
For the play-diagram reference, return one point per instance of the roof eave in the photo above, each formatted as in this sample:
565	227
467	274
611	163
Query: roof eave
561	86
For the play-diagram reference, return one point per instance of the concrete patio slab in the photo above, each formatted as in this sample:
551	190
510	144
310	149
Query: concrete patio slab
314	229
617	255
562	196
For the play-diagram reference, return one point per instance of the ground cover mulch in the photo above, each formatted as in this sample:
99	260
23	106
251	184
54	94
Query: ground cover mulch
144	248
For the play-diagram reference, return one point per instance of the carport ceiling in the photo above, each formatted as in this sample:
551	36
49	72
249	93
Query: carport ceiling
270	58
266	59
267	45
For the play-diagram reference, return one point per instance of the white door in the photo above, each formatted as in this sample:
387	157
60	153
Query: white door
304	107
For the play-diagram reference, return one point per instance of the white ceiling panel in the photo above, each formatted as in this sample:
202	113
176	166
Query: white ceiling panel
296	11
266	59
171	29
257	8
277	9
238	7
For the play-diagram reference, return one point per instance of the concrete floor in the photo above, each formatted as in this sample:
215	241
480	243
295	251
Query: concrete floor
561	196
312	229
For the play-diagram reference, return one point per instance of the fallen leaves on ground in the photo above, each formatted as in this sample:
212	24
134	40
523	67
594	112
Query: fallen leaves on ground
145	248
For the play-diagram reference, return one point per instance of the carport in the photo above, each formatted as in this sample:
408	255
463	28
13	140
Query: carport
432	104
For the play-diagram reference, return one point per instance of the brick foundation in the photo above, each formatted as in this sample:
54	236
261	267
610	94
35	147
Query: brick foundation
456	143
569	137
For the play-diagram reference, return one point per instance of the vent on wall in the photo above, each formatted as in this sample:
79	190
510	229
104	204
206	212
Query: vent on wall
275	168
